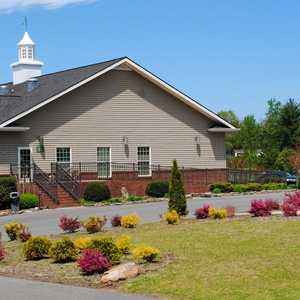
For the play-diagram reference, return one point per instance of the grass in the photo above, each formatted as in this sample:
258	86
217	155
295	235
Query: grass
230	259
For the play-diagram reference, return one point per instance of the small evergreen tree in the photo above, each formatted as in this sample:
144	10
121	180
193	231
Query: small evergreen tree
177	200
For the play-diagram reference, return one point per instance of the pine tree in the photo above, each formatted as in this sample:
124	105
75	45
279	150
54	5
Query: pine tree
177	200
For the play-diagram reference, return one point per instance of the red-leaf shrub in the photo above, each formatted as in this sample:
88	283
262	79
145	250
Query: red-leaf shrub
291	204
202	213
116	221
2	251
92	261
25	235
69	224
259	208
273	205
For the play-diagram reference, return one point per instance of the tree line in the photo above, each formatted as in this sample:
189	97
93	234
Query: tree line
273	143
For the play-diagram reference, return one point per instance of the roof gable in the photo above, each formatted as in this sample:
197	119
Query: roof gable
55	85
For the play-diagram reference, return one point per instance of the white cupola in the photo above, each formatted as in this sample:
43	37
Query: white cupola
27	67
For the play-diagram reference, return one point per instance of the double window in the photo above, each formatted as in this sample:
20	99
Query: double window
104	162
144	161
63	156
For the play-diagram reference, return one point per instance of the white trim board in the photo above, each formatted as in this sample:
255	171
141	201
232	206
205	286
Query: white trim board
143	72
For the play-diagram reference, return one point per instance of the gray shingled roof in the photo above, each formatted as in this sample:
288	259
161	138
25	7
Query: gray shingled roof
49	85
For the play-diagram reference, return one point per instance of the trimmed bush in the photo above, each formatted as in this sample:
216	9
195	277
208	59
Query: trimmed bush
28	200
130	221
97	192
132	198
202	213
24	235
253	186
146	253
63	251
217	213
230	211
123	243
7	185
82	243
239	188
273	205
116	221
13	230
291	204
36	248
92	261
107	247
259	208
94	224
223	187
157	189
171	217
69	224
177	199
2	251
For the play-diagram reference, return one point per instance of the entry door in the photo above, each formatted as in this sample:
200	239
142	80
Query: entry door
25	161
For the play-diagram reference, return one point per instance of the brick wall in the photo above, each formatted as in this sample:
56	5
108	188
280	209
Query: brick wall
195	181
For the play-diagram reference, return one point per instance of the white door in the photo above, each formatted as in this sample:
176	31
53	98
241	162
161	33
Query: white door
25	163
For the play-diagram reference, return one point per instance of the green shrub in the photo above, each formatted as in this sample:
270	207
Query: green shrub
224	187
36	248
177	199
157	189
28	200
107	247
253	186
132	198
97	192
239	188
63	251
7	185
217	191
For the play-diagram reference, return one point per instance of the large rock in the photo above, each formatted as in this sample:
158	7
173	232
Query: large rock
120	272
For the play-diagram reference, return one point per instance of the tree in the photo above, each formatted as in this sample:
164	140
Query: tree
177	200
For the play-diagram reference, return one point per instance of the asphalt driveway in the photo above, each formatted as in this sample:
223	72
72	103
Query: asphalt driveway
19	289
45	221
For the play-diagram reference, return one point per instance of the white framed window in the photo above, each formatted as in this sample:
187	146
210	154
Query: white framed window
63	156
144	160
104	162
24	53
30	53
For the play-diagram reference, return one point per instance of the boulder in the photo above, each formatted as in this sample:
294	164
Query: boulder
120	272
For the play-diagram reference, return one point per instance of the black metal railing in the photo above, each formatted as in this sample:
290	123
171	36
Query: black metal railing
46	182
68	182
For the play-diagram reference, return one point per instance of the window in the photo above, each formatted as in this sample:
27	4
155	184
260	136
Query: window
144	157
104	162
23	52
63	156
30	53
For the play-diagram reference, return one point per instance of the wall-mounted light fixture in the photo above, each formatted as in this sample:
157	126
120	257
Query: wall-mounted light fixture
125	140
197	140
40	148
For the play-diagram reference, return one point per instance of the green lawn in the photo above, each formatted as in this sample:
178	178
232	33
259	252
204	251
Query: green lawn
230	259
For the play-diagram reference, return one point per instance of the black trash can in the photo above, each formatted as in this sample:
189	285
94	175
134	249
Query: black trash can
14	202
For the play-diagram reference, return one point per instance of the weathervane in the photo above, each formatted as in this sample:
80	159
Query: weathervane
25	23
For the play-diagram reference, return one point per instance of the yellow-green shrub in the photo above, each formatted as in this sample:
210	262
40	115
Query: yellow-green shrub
63	251
36	248
123	243
145	253
13	230
94	224
130	221
82	242
171	217
217	213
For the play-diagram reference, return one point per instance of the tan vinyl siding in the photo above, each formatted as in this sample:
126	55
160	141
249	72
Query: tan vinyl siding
121	103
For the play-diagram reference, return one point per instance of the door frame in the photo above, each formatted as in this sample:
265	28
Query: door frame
19	161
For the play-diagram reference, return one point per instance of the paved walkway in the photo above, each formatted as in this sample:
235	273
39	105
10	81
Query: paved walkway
45	221
19	289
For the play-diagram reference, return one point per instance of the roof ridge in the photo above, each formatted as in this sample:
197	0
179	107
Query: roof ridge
81	67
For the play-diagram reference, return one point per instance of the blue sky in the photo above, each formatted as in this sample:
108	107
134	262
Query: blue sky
225	54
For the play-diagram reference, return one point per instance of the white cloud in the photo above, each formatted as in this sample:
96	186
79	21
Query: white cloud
10	5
